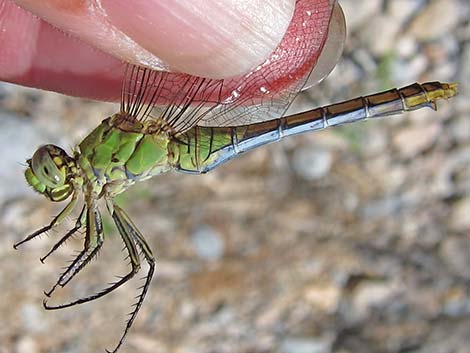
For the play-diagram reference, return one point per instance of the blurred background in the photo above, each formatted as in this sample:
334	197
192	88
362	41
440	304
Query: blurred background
354	239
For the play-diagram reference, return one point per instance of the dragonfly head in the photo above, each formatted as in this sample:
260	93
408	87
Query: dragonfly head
49	172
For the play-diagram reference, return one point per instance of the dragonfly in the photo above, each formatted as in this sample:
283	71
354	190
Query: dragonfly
177	122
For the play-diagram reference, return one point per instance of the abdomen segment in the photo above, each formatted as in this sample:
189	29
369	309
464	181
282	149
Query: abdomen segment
201	149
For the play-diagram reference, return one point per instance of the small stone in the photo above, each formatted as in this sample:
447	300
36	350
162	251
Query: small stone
460	216
358	12
406	47
12	128
26	345
375	142
312	163
453	177
460	129
382	208
403	10
345	73
440	50
13	216
324	297
455	252
208	243
424	26
307	345
444	71
372	294
175	270
33	318
405	71
388	28
457	302
464	74
365	59
415	139
146	344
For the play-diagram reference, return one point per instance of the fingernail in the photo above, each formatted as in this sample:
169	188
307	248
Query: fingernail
211	38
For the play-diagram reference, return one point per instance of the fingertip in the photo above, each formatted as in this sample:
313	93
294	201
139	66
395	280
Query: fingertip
85	20
210	38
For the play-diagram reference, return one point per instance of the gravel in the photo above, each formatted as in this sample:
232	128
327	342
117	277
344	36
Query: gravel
353	239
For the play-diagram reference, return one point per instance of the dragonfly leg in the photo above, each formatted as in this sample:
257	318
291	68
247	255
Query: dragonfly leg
129	227
134	261
56	221
93	243
78	224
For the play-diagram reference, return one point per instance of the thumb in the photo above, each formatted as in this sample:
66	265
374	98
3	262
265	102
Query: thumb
210	38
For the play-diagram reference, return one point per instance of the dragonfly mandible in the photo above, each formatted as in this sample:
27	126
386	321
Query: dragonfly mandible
177	122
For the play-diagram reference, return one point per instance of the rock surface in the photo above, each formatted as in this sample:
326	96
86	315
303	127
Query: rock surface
354	239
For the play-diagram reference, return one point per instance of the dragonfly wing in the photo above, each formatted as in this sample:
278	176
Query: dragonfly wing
332	49
179	100
265	93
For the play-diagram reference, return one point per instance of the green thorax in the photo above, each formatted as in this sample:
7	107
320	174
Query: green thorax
119	153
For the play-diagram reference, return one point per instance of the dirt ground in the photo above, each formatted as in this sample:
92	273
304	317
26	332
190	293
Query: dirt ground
353	239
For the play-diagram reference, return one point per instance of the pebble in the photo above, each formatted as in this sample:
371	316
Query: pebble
366	61
374	142
312	163
346	73
407	47
413	140
146	344
455	252
358	12
404	10
396	230
464	74
448	12
324	297
26	345
457	302
208	243
33	318
388	27
382	207
307	345
11	174
406	71
372	294
447	183
459	219
460	129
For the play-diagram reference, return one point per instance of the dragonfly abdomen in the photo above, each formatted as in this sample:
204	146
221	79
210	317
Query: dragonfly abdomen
201	149
392	102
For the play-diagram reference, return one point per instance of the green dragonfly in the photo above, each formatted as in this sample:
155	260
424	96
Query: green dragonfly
191	124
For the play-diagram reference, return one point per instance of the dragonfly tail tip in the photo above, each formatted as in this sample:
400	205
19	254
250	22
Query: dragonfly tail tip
451	89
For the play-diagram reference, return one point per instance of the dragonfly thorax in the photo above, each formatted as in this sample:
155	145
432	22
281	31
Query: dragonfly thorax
50	172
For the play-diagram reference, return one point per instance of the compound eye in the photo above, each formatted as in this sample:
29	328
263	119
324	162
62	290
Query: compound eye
46	170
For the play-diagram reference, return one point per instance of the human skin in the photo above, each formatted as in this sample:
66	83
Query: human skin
52	44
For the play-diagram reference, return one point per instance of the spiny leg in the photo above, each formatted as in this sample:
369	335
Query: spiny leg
134	260
78	224
56	221
127	224
93	243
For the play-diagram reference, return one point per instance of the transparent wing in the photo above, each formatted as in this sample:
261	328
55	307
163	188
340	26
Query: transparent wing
265	101
332	49
265	93
180	100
